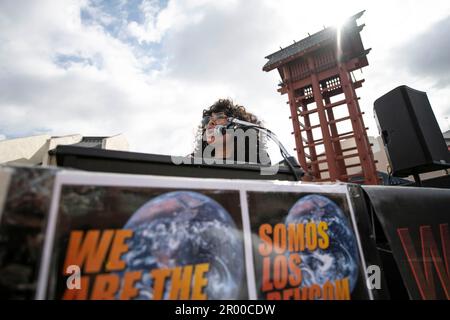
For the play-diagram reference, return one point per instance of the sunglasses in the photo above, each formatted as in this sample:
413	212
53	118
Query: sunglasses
218	118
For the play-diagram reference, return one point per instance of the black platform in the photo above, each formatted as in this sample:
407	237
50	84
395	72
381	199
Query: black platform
91	159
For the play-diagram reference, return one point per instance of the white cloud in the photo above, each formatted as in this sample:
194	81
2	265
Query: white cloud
150	30
150	79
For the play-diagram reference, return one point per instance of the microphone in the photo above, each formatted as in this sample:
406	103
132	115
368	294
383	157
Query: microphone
290	160
220	130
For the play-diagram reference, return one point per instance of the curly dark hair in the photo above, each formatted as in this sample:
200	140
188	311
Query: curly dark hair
230	109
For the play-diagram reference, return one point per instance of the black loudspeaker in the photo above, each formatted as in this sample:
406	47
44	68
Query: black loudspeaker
412	139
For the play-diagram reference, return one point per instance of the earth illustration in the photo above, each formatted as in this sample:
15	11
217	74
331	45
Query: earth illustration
186	228
340	259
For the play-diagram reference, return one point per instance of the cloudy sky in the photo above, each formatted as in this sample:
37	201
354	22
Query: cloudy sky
147	68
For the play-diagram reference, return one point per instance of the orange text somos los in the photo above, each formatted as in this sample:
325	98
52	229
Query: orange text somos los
98	255
281	272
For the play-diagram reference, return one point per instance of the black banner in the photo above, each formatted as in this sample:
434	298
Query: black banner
415	222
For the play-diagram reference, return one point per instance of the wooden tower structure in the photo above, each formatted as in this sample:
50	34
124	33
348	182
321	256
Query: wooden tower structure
316	74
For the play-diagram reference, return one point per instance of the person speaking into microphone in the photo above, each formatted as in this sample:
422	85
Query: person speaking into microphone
218	138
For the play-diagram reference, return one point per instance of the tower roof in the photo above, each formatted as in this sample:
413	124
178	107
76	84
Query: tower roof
298	48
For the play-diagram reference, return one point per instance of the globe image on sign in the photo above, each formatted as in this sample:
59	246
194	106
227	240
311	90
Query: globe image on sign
340	259
184	228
